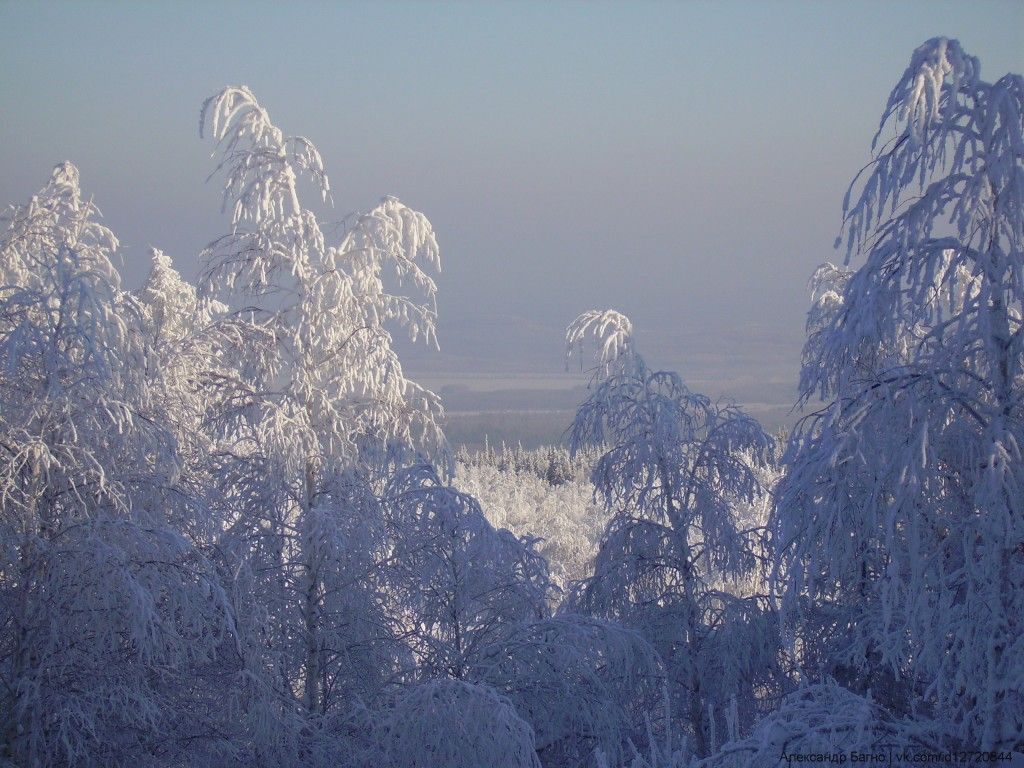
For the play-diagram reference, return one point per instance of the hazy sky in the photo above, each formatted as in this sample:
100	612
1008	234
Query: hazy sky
682	162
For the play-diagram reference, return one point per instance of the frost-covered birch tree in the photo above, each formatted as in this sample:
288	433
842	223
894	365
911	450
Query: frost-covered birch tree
182	355
318	408
899	526
109	613
583	684
675	470
458	583
455	724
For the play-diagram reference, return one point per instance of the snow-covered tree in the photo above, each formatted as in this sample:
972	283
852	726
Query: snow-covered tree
829	720
318	406
455	724
459	583
899	527
675	471
109	614
182	355
583	684
335	383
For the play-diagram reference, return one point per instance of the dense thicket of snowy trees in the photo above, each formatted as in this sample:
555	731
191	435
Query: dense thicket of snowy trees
229	533
544	493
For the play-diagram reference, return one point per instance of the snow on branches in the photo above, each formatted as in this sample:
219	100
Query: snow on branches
675	472
458	725
319	313
109	609
898	525
612	329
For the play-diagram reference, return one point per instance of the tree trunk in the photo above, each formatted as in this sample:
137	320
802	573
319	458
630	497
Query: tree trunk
697	712
310	594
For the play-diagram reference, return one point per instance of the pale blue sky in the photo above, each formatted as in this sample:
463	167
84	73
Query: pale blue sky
683	162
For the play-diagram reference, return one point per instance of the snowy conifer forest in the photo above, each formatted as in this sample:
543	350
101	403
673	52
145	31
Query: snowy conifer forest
233	532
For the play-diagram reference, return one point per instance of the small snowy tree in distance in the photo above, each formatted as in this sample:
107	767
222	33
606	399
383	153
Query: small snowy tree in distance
675	470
